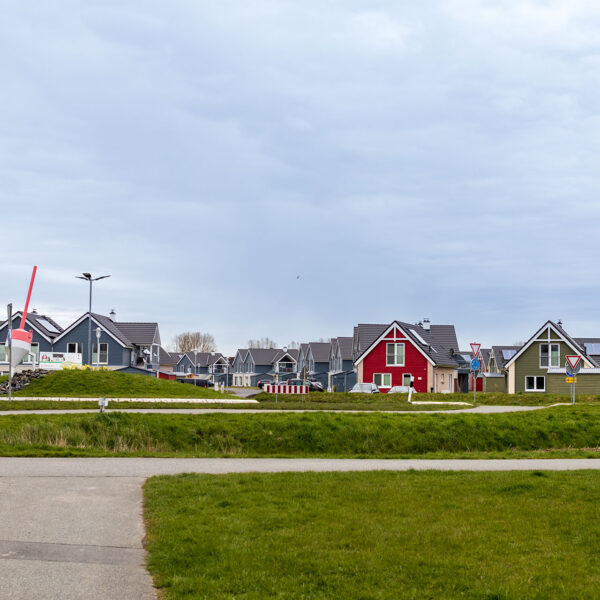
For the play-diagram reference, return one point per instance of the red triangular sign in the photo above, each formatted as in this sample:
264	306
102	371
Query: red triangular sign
475	348
573	360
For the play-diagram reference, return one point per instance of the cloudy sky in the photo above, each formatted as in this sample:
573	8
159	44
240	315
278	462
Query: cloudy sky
289	169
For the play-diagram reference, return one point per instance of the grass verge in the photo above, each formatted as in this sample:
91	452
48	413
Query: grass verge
110	384
563	429
375	535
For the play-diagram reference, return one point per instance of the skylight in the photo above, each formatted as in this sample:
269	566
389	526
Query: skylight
47	325
508	354
593	349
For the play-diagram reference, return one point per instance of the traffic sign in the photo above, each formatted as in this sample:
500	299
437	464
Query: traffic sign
570	370
475	364
475	348
574	360
571	379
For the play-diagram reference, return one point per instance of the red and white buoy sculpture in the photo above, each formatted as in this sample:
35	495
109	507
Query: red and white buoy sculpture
21	339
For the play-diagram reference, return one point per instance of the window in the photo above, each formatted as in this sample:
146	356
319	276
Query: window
406	379
394	355
73	348
383	380
103	354
535	384
35	350
549	355
3	355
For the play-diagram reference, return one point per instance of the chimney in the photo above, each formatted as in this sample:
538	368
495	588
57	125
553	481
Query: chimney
559	323
113	315
34	311
426	325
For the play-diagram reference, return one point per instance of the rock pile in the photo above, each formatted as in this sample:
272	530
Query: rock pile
21	380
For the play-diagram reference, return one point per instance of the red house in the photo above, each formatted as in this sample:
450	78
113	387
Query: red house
394	354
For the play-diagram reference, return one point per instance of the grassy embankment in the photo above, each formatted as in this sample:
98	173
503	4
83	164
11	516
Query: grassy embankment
562	431
393	401
110	384
375	535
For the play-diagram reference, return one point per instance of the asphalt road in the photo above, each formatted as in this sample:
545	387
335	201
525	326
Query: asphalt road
72	528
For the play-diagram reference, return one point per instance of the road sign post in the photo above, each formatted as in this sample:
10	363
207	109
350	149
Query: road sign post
475	366
572	367
9	315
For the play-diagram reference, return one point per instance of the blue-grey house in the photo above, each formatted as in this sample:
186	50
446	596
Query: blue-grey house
121	345
45	330
317	362
342	376
240	368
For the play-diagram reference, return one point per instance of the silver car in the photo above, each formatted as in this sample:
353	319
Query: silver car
364	388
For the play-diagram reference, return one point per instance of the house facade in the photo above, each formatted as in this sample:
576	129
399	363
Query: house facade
398	353
539	365
341	375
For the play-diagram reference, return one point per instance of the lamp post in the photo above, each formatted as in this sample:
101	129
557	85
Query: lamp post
88	277
195	367
98	334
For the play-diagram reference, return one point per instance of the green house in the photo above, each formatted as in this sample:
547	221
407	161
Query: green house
539	365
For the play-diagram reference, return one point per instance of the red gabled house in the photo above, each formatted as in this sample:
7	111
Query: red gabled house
394	354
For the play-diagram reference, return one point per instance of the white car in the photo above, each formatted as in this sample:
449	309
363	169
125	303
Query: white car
364	388
401	389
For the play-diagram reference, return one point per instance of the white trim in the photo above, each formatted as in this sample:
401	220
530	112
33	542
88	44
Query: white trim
535	377
535	338
395	344
382	337
17	316
99	351
549	365
81	320
386	387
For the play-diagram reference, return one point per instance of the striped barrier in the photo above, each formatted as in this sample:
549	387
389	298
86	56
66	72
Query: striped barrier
285	389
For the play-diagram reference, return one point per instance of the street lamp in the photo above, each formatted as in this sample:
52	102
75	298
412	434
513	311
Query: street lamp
98	334
88	277
195	367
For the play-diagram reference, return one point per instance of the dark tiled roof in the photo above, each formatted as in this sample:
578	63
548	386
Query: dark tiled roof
43	323
499	356
263	356
141	334
108	325
167	358
345	345
366	334
320	351
445	335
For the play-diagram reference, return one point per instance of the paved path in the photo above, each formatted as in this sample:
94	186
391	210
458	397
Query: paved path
206	411
72	529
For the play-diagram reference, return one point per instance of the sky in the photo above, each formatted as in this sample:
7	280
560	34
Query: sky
290	169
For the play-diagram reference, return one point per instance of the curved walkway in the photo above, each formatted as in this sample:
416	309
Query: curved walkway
258	411
72	528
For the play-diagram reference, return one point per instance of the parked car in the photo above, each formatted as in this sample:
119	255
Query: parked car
262	382
205	383
401	389
313	386
364	388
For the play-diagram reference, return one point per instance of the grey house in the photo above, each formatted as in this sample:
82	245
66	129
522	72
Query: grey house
121	345
45	330
342	375
239	368
285	364
317	362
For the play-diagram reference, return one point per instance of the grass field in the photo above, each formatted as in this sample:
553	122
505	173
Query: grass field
562	431
91	384
417	536
397	401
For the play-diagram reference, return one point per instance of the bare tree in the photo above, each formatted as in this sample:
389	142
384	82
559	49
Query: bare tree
262	343
194	340
293	345
324	340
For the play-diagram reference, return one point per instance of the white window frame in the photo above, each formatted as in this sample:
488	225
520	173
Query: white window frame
77	347
535	378
99	353
395	363
549	365
382	375
27	359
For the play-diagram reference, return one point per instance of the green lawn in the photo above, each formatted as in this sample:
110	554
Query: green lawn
400	401
415	535
110	384
551	432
